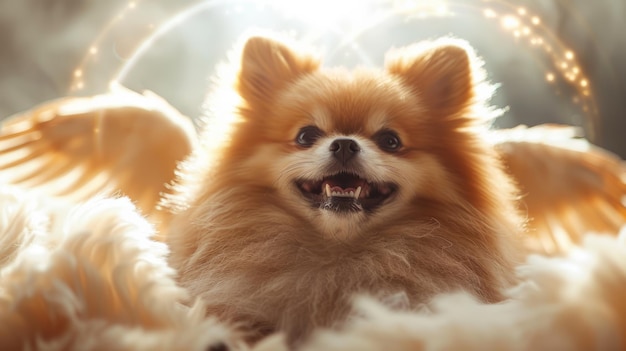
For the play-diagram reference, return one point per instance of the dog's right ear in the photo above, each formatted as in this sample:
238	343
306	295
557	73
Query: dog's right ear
267	66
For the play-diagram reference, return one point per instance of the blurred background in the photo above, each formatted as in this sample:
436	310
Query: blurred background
560	61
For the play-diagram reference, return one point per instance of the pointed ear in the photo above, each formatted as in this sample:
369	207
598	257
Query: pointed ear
442	73
267	66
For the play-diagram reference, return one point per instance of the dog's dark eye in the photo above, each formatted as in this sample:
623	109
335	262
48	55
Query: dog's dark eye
388	140
307	136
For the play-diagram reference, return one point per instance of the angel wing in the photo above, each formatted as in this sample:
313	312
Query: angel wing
119	142
569	186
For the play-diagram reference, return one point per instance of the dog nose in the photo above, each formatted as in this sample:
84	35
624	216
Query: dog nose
344	149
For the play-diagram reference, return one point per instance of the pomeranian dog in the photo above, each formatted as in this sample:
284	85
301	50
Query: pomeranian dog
332	183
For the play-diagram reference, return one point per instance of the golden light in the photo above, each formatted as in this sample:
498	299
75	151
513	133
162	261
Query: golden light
350	19
536	41
442	10
319	14
510	22
489	13
418	7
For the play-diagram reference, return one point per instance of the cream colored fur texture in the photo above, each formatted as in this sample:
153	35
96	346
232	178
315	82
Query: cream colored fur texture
571	303
91	278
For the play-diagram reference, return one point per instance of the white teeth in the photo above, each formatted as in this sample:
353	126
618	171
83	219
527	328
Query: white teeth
353	193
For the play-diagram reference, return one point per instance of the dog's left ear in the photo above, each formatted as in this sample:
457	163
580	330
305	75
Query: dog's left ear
440	73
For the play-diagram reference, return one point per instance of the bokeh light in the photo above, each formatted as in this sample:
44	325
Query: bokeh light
350	33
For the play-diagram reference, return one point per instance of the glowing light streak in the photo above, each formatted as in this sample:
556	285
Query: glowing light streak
78	83
562	58
158	33
357	16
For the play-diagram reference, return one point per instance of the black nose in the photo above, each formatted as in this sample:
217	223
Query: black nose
344	149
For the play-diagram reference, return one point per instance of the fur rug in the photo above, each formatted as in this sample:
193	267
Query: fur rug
89	277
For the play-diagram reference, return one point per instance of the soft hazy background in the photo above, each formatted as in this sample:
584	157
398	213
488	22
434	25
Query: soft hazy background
546	55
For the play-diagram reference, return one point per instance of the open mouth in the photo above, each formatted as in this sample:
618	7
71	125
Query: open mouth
345	192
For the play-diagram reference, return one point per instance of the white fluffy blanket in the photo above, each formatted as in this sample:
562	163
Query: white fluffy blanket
90	278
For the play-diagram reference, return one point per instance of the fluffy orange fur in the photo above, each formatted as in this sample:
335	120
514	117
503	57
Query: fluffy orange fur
268	249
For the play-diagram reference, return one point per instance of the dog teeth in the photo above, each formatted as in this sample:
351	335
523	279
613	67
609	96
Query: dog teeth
352	193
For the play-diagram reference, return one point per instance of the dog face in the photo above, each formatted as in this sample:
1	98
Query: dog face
352	150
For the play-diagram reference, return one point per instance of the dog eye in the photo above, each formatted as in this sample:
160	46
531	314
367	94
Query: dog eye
387	140
307	136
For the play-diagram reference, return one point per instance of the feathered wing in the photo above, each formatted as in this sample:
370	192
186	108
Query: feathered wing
121	142
569	187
